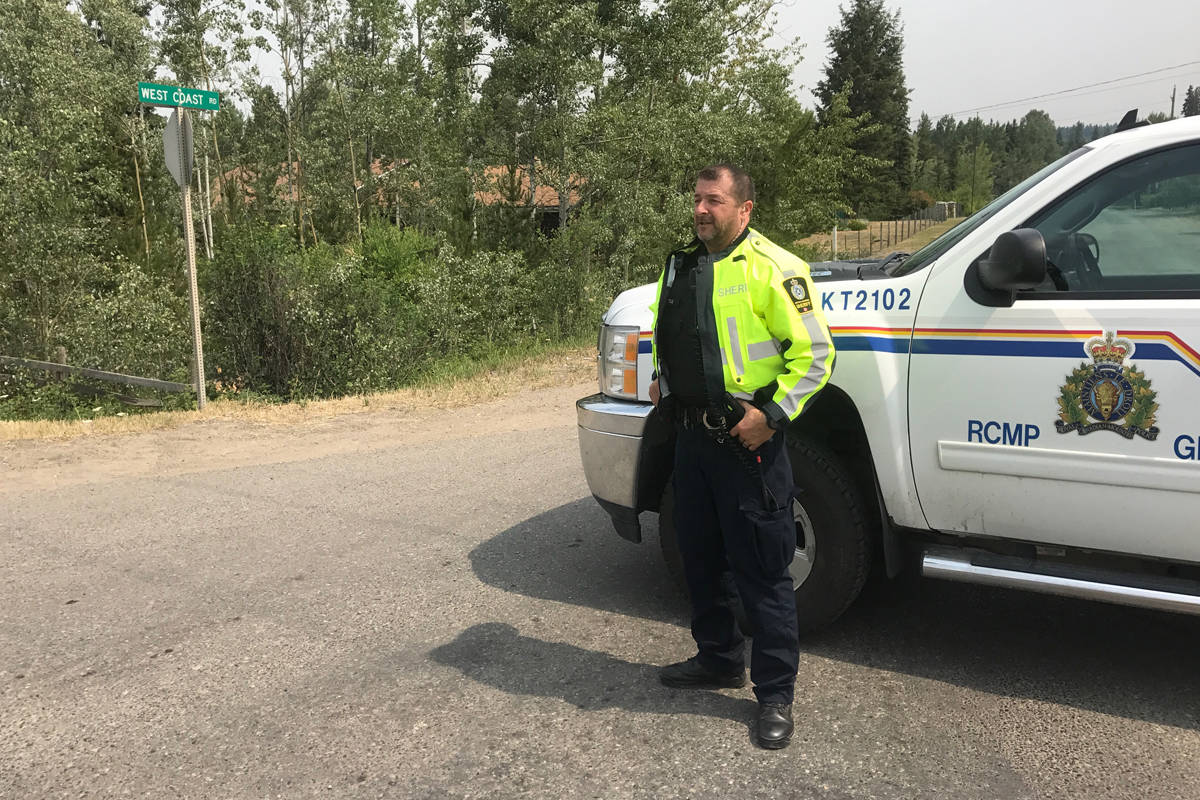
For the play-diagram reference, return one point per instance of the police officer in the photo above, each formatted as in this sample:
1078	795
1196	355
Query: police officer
740	351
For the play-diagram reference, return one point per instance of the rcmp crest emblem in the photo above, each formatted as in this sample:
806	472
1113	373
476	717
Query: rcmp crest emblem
1110	394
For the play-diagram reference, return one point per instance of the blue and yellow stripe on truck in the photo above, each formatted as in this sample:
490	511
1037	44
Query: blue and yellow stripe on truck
1151	345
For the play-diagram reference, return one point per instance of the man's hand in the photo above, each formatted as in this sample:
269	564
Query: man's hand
655	395
753	430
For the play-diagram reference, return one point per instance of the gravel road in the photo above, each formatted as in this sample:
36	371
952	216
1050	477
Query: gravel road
429	604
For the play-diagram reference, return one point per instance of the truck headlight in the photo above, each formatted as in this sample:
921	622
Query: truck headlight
618	360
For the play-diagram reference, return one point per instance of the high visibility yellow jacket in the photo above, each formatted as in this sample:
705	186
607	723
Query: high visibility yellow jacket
763	337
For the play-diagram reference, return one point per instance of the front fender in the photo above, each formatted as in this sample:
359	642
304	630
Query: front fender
628	452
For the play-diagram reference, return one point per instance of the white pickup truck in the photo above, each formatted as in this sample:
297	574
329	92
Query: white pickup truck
1017	403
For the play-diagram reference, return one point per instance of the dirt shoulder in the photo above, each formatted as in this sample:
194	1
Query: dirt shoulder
537	395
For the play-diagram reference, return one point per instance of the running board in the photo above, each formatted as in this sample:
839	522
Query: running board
1013	573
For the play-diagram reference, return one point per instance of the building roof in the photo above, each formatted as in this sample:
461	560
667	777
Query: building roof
498	186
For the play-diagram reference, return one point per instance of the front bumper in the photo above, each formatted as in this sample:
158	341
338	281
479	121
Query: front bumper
610	445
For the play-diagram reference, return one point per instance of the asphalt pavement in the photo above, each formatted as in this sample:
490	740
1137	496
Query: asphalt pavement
448	614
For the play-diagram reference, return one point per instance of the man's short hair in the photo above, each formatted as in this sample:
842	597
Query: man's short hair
743	184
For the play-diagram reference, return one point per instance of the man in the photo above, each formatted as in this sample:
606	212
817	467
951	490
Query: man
740	351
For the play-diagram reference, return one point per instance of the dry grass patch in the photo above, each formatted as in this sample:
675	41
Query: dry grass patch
511	375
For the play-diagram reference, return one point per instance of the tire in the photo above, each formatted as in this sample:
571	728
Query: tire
833	537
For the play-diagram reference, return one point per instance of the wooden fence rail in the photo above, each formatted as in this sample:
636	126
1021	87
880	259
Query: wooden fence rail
100	375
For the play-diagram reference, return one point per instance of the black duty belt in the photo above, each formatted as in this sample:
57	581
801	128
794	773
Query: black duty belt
715	419
716	422
696	418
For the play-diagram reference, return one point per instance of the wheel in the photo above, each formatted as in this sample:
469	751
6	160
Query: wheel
833	537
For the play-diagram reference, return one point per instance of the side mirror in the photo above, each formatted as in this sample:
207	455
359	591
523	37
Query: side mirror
1016	260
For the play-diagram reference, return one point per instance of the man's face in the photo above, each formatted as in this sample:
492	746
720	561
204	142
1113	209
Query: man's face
717	214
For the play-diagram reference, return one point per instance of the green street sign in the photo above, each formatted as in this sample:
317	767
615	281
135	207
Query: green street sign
156	94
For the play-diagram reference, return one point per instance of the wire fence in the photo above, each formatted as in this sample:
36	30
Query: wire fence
883	236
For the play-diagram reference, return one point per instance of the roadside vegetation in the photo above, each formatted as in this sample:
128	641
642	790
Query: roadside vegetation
425	184
450	384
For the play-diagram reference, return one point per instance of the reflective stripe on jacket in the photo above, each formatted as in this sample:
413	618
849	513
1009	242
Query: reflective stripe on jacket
763	335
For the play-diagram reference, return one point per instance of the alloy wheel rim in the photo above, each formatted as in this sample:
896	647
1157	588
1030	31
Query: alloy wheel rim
806	546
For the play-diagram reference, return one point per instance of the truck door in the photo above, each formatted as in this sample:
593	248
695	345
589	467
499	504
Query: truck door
1073	416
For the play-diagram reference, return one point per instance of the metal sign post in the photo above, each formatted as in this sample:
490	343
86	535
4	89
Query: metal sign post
177	148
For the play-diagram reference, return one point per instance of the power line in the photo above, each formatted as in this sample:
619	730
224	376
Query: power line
1065	91
1114	89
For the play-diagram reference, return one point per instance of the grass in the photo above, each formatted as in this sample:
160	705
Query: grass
452	384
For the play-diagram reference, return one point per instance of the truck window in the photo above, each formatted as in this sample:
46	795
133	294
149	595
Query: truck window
1132	231
932	251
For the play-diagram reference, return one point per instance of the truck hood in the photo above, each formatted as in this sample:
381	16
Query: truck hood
853	270
632	307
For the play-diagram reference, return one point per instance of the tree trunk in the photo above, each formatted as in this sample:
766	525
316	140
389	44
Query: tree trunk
533	175
293	160
354	184
337	85
208	207
137	174
223	195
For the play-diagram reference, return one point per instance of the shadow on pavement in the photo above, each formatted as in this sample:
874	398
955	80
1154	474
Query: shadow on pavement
1117	660
497	655
1128	662
571	554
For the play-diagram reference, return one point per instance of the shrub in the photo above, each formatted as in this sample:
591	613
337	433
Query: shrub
395	254
331	320
811	252
139	326
919	200
487	297
34	394
281	321
313	322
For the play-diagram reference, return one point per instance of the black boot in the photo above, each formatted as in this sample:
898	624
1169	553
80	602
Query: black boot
691	674
774	725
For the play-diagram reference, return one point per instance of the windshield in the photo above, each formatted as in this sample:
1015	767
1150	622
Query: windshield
934	249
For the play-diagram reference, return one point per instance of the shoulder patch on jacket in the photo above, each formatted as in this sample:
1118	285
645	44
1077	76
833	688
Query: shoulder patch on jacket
783	260
797	290
760	243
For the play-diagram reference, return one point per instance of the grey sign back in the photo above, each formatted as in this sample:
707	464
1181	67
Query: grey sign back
177	147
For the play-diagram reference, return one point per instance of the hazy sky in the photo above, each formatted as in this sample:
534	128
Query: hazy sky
963	54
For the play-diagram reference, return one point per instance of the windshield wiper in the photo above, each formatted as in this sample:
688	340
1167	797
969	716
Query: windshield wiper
894	259
882	268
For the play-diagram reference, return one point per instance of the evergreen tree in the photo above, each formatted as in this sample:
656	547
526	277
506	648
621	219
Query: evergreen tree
1031	144
866	62
1191	102
923	139
1075	139
976	178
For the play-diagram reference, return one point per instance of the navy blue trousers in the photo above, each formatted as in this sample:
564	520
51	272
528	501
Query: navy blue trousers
733	533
